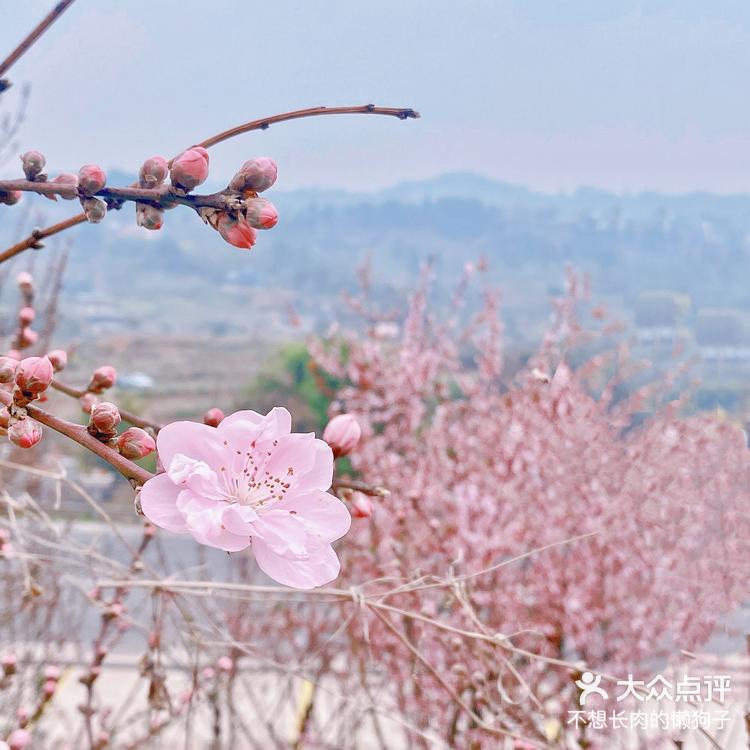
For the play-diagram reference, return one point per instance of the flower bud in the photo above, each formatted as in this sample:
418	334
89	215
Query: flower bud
225	664
4	422
104	418
26	316
153	172
48	688
25	281
52	672
10	197
9	664
19	739
190	168
236	231
34	374
135	443
360	506
94	208
7	369
260	213
149	217
33	163
27	337
104	377
24	433
213	417
342	433
92	178
256	174
68	186
59	359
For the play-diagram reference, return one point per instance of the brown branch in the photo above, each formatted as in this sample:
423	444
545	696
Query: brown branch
366	109
165	196
25	45
79	434
264	124
128	416
35	238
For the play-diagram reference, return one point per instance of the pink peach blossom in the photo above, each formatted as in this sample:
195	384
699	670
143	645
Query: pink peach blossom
19	739
153	172
135	443
34	374
251	481
213	417
190	168
261	213
342	433
104	377
255	174
58	358
91	178
236	231
24	433
33	163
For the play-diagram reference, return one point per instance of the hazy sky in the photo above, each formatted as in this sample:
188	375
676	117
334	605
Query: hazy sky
612	93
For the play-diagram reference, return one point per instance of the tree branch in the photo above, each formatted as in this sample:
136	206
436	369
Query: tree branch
33	36
264	124
128	416
79	434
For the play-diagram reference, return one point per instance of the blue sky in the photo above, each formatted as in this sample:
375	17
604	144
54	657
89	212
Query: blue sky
613	93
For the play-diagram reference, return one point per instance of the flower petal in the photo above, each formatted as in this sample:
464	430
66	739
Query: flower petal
277	422
321	566
159	504
199	441
323	515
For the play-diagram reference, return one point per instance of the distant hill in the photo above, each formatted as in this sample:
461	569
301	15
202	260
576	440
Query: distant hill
695	245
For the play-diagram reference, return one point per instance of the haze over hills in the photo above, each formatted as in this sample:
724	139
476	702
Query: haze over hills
694	244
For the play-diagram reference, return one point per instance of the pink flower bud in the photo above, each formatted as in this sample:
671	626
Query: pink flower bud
236	231
260	213
92	178
104	377
10	197
208	674
135	443
361	506
68	186
342	433
24	433
27	337
25	281
59	359
190	168
225	664
94	208
153	172
104	418
26	315
19	739
149	217
256	174
49	687
34	374
7	369
9	664
52	672
33	163
213	417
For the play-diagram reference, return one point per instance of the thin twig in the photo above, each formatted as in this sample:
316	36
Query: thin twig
33	36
